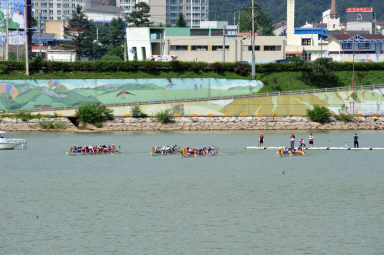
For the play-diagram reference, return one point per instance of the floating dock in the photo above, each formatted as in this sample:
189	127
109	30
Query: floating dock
318	148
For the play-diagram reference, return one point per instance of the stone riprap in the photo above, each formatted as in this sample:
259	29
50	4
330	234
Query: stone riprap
209	123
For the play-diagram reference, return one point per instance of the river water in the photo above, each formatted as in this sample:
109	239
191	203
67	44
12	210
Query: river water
240	202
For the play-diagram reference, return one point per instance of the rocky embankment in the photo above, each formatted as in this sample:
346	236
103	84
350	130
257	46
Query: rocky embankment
202	123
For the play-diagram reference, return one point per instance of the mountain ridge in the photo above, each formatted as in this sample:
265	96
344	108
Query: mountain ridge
306	10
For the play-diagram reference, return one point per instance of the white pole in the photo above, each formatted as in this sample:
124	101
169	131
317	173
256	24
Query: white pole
7	33
26	38
224	44
253	41
40	41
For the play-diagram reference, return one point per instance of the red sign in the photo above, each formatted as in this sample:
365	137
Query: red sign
360	9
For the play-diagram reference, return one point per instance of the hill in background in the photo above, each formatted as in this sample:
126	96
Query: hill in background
306	10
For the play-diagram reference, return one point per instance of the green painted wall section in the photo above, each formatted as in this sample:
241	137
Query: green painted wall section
177	31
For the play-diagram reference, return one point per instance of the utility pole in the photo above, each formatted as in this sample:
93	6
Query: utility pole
26	37
7	33
224	44
238	23
253	41
40	41
353	63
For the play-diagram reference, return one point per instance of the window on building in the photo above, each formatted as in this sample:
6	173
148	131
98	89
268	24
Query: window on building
179	47
306	41
346	46
219	47
272	48
257	48
199	32
199	47
290	56
307	56
365	45
217	32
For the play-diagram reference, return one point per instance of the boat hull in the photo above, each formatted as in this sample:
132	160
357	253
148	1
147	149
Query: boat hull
8	146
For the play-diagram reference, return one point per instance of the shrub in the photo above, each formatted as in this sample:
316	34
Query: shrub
344	117
320	73
94	114
242	68
137	112
25	116
47	125
217	67
59	125
319	114
52	125
164	117
110	57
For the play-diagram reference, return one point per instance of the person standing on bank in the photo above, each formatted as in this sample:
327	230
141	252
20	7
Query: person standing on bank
293	140
310	144
355	141
261	140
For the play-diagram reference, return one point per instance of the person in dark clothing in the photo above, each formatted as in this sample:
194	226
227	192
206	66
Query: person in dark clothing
355	141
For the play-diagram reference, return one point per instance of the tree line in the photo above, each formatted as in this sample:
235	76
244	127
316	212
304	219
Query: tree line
306	10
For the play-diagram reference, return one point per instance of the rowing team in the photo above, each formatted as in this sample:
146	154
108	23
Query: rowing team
206	151
165	149
156	150
291	151
94	149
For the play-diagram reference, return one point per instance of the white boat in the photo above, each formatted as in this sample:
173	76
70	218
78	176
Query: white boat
10	144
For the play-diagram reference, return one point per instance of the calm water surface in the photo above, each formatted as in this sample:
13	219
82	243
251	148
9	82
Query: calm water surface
240	202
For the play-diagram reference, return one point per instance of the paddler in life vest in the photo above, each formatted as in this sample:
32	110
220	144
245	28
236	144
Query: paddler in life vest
261	140
302	144
310	144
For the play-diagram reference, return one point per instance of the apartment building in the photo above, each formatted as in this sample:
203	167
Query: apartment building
55	9
194	11
158	8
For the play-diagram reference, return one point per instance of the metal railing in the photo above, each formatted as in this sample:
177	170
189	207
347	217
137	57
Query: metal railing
197	99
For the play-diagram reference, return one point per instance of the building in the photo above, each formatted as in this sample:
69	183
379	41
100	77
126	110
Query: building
51	48
361	47
307	42
99	11
201	44
194	11
158	8
279	27
331	18
55	9
360	19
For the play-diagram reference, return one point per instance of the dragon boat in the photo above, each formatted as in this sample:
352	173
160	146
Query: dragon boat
296	152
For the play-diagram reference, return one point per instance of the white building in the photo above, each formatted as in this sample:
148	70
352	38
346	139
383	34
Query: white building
199	44
55	9
307	42
360	19
363	47
98	11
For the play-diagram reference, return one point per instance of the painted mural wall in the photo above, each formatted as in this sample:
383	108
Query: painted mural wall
16	22
41	95
37	94
365	102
